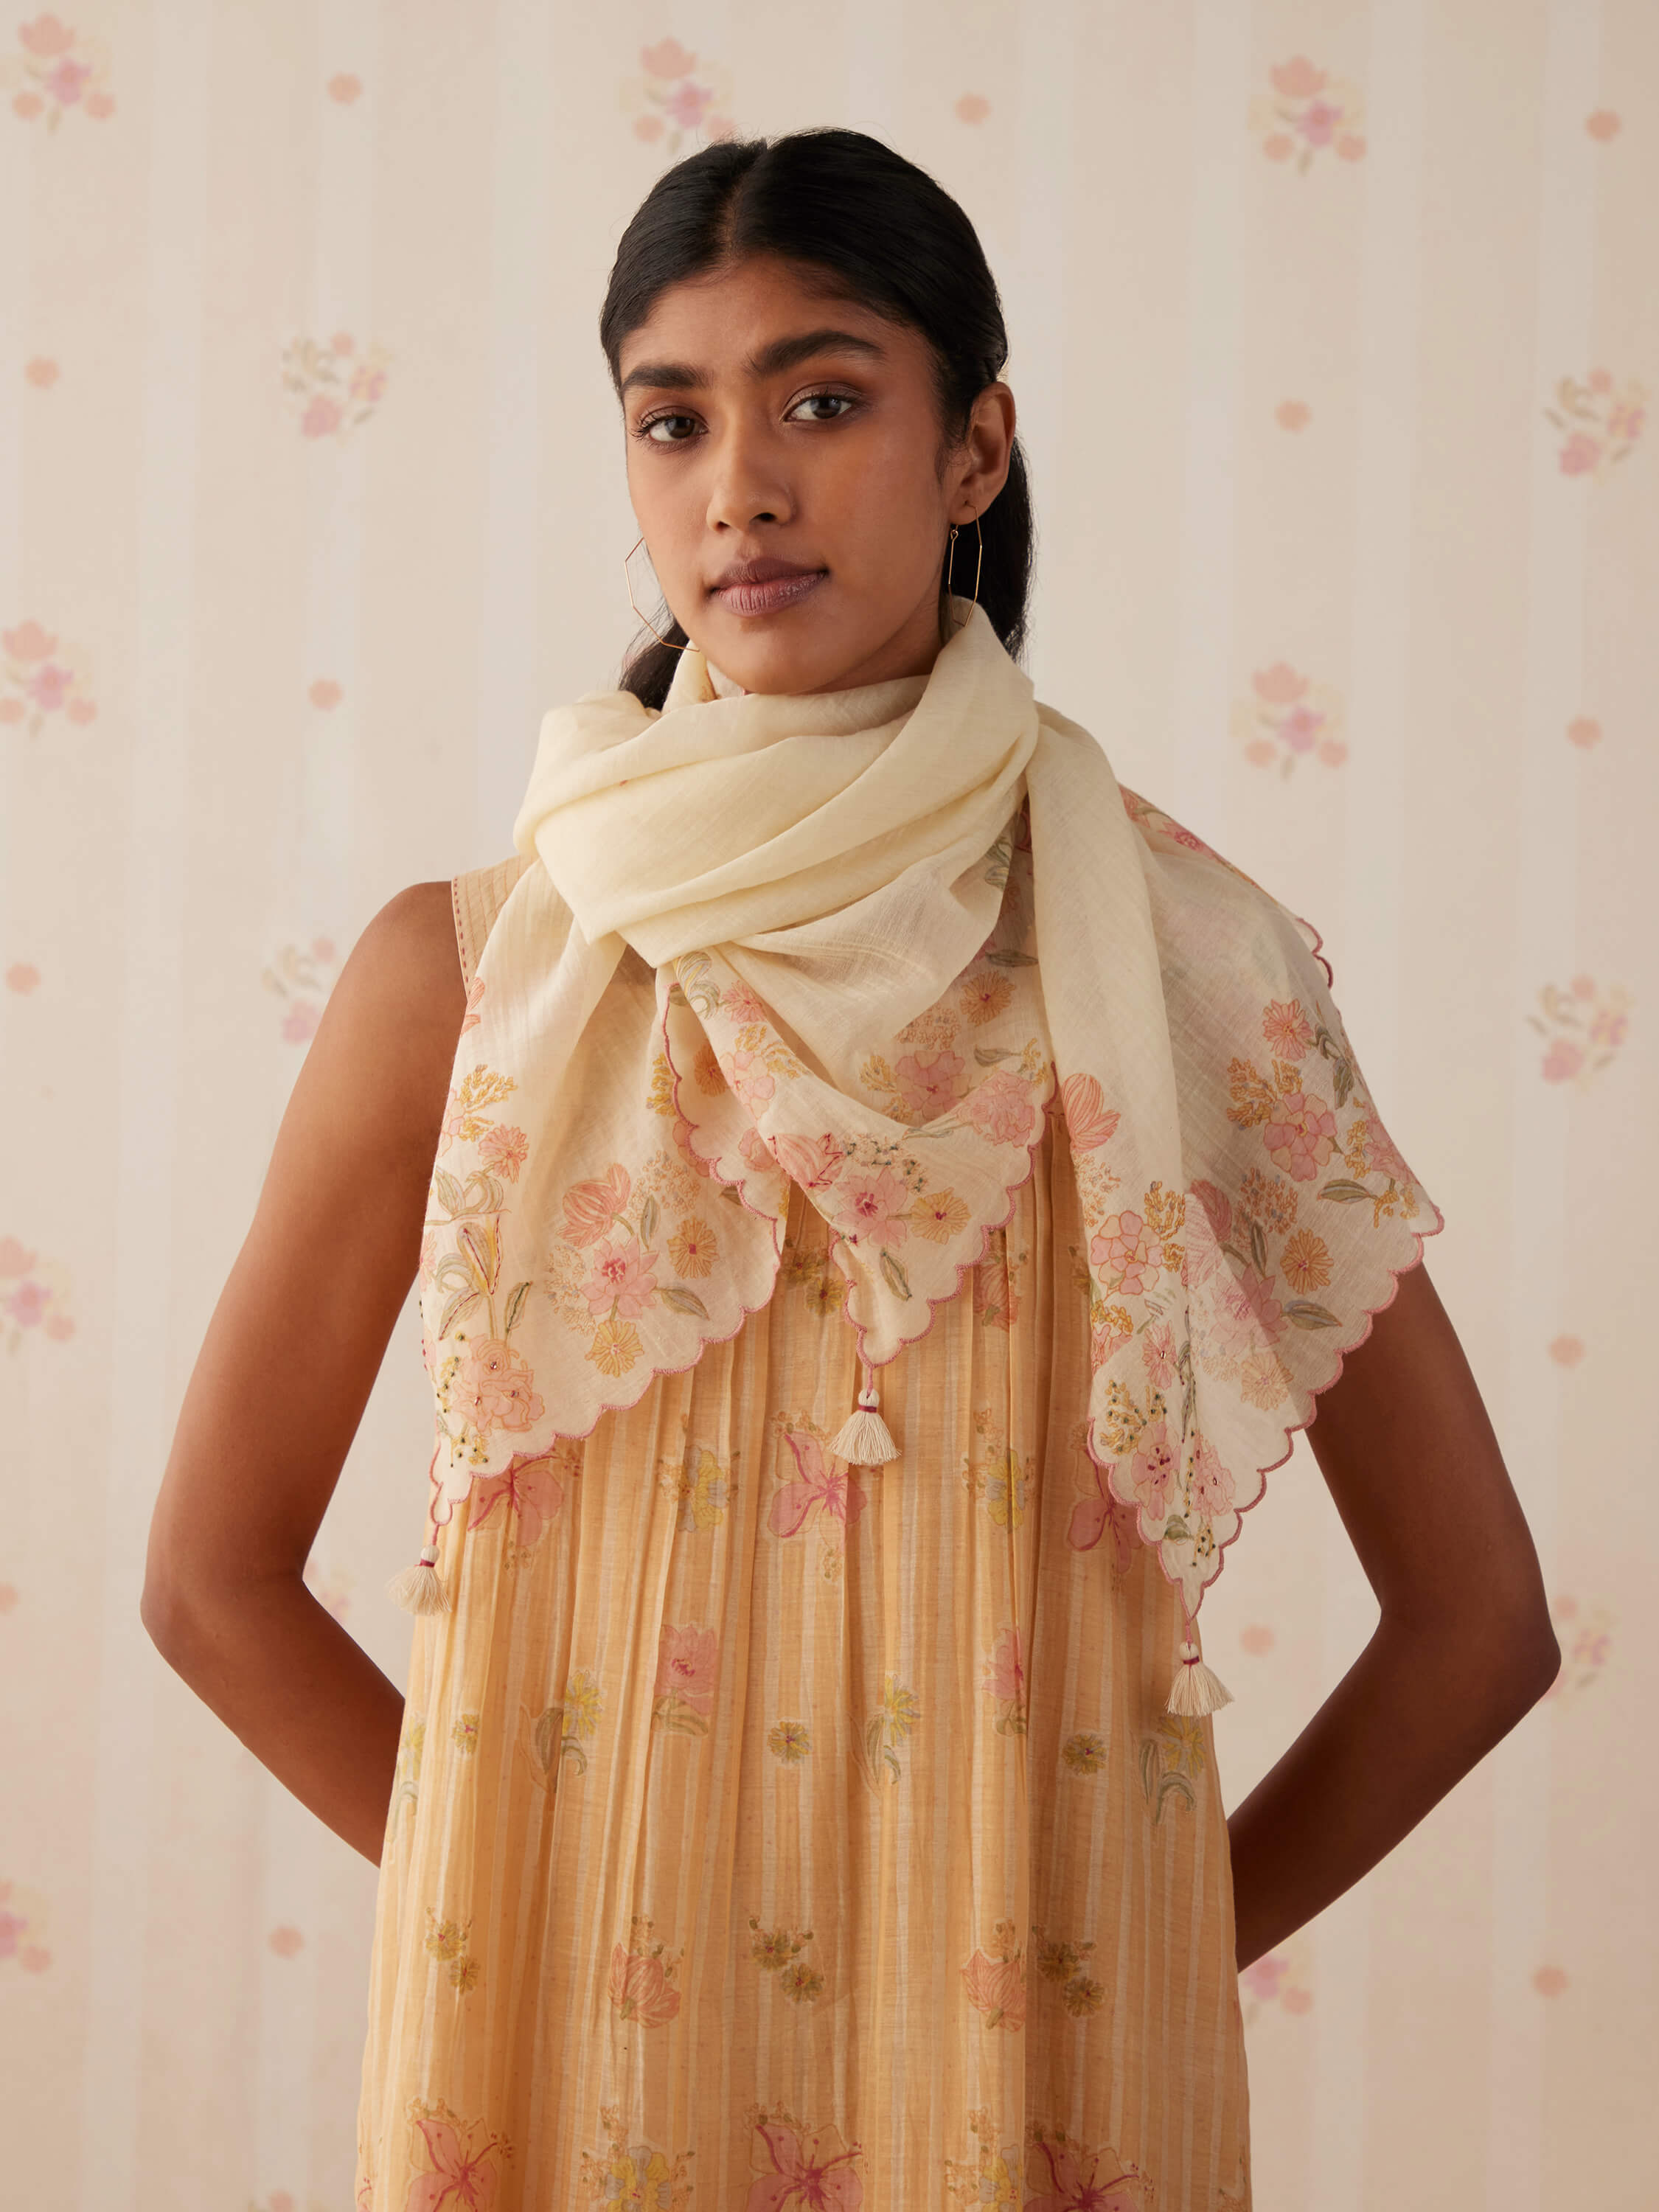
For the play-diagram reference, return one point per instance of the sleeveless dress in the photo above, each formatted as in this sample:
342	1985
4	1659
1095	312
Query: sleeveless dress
768	1833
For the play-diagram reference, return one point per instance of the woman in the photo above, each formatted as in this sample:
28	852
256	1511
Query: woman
883	1196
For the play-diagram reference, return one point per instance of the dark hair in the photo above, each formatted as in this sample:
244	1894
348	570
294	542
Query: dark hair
875	228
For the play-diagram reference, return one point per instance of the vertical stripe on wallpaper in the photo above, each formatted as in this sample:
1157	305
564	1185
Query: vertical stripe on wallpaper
17	160
315	889
152	937
1386	245
524	276
1202	677
1543	925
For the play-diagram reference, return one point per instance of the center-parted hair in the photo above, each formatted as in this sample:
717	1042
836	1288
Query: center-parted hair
871	226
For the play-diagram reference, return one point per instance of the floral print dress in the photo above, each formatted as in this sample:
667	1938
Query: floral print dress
768	1833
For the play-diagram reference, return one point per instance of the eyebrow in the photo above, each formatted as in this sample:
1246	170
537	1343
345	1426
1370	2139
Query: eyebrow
770	361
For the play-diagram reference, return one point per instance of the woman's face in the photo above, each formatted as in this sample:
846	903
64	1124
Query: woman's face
770	421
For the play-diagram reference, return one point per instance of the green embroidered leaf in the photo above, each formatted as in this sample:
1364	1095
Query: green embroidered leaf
516	1298
682	1300
1148	1765
1306	1314
1345	1191
897	1281
648	1220
1013	959
446	1191
987	1056
1258	1248
1175	1530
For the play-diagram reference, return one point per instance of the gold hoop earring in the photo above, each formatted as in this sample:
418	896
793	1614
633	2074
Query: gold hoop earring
628	580
950	565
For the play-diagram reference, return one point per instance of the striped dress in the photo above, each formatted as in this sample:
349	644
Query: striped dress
770	1834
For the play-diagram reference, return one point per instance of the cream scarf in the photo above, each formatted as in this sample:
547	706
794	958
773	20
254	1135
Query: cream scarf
876	934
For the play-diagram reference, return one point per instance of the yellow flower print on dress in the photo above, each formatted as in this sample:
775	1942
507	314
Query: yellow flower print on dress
626	2174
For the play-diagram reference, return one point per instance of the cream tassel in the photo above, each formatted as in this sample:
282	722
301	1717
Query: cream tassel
418	1588
864	1439
1196	1690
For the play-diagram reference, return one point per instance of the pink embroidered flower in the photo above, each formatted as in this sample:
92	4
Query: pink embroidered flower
1245	1316
1157	1351
591	1208
1383	1154
996	1987
755	1151
1153	1469
1201	1253
740	1004
505	1150
529	1489
746	1072
929	1083
493	1390
1286	1029
640	1991
471	1018
1108	1335
808	2176
1212	1486
1302	1135
623	1274
1218	1208
871	1206
1080	2180
460	2182
1129	1257
1000	1109
687	1659
1564	1060
812	1161
47	685
1004	1674
820	1482
1088	1122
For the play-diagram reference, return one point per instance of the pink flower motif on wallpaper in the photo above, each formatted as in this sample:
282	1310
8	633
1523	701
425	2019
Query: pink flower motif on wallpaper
1583	1028
642	1975
1566	1350
1583	730
687	1663
1603	126
972	107
1585	1636
1293	415
39	676
286	1942
805	2166
1003	1681
57	69
41	371
22	1925
344	88
1307	112
1273	1979
34	1294
678	94
22	977
1599	421
821	1484
1287	718
1257	1638
1549	1981
334	387
301	976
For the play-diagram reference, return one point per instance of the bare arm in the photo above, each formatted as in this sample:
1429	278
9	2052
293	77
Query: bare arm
286	1368
1464	1647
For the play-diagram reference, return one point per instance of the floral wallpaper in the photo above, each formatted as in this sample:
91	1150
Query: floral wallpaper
1334	339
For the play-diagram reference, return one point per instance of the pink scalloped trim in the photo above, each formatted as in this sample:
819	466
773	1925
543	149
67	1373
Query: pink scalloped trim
1290	1431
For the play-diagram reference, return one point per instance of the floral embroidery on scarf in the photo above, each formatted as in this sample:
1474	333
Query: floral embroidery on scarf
642	1975
777	1951
626	2174
803	2166
995	1981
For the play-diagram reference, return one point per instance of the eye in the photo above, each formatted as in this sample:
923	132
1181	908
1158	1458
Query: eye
651	422
839	398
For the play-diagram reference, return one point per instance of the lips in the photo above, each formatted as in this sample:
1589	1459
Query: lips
762	587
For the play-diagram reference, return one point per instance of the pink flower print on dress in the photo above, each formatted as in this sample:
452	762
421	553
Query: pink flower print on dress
623	1274
591	1208
492	1389
996	1987
1001	1109
1302	1134
807	2174
506	1150
1129	1258
819	1482
747	1073
1088	1122
1080	2180
870	1206
687	1661
812	1161
641	1989
460	2182
930	1082
528	1487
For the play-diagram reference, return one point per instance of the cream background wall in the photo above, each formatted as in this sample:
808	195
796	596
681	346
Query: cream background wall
1332	327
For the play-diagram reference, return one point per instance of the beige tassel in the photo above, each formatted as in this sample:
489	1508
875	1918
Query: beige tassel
417	1588
1196	1690
864	1439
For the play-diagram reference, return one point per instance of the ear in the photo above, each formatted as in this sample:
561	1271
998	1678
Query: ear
989	440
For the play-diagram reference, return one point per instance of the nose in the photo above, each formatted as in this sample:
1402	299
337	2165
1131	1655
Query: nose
747	484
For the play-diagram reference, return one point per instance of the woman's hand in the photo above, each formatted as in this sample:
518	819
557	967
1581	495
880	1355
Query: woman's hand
1464	1647
286	1368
